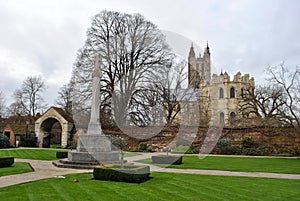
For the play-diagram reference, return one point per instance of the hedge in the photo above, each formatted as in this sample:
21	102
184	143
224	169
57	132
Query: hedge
164	159
62	154
6	161
129	173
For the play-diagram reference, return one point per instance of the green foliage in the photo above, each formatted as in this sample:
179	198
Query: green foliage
29	141
129	173
6	161
4	141
62	154
143	147
183	149
247	142
225	147
163	159
55	146
252	151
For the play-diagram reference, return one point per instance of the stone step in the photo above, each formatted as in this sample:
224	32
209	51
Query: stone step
65	163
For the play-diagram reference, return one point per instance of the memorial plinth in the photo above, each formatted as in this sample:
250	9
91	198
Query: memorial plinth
93	148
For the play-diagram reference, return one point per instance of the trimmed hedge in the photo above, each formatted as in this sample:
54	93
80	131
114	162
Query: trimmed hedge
6	161
62	154
129	173
164	159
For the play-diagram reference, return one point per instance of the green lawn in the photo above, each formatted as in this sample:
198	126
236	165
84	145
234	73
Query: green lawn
16	168
241	164
127	154
163	186
35	154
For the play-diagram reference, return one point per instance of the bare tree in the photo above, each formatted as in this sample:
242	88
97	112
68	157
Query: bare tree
288	82
2	104
276	104
132	50
28	99
169	89
65	97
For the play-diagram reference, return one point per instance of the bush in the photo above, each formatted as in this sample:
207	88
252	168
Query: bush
6	161
129	173
225	147
29	141
143	147
4	141
164	159
183	149
247	142
252	152
62	154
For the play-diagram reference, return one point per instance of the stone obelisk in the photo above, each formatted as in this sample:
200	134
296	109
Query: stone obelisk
93	148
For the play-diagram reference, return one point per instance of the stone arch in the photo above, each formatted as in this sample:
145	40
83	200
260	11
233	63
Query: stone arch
44	126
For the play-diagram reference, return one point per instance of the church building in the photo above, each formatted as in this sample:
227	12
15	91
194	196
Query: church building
220	96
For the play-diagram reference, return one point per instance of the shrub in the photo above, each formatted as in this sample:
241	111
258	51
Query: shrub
163	159
4	141
183	149
129	173
6	161
247	142
29	141
252	152
225	147
143	147
62	154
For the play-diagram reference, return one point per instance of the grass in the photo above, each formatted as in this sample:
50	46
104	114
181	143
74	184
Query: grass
39	154
163	186
34	154
240	164
127	154
16	168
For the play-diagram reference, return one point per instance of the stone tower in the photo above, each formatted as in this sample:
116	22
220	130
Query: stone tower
199	67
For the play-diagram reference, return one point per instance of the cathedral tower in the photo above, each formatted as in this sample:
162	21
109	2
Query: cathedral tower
199	68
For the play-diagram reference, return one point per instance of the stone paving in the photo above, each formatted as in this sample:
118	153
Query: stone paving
45	169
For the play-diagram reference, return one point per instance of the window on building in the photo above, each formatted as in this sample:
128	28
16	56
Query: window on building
242	92
221	94
232	118
232	115
222	117
232	92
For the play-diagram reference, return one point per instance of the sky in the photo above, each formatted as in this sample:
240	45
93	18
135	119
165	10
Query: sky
43	37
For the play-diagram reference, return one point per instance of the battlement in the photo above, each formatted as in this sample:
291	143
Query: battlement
237	78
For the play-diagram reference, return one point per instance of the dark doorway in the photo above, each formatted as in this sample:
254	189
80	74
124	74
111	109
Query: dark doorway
52	133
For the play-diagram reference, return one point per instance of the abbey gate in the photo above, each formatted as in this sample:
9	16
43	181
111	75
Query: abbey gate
55	126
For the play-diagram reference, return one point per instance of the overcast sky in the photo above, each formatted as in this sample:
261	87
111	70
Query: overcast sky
43	37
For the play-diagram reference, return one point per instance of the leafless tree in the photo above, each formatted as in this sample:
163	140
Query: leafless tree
132	50
28	99
65	97
2	104
288	82
277	103
173	97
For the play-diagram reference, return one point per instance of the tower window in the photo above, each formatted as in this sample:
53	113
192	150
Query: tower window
222	117
221	93
232	118
232	115
232	92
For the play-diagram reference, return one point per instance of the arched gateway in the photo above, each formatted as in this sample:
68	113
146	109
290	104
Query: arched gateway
54	126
